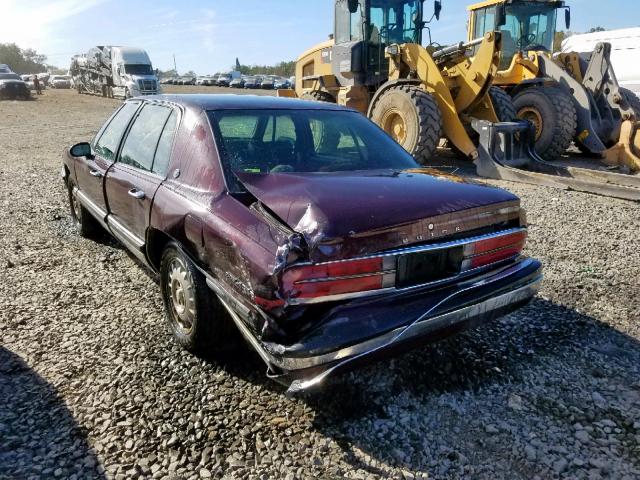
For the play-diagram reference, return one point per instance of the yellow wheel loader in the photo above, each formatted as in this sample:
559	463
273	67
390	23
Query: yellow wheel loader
375	63
568	97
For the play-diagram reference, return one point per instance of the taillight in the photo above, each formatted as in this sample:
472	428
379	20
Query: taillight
492	250
337	278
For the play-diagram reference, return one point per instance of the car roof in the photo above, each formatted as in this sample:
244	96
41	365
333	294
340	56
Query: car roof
242	102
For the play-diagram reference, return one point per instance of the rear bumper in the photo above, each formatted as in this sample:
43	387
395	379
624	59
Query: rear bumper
362	331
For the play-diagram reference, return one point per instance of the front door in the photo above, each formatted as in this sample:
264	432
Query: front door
139	170
90	172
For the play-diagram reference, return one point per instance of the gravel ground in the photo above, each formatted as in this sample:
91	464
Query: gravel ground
92	386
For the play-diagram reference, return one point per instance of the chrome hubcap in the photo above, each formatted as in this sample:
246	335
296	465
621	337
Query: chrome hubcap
182	295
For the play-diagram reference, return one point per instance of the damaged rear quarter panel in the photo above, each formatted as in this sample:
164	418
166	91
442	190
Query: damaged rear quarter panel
235	244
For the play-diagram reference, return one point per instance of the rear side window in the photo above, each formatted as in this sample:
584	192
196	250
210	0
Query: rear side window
163	153
107	145
143	138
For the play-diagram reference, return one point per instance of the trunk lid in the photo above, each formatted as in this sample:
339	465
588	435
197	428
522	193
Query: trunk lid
348	214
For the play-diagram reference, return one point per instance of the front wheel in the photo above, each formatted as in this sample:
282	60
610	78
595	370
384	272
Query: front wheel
83	221
411	116
553	114
197	319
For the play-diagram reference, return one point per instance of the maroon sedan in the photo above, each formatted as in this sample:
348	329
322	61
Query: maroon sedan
302	224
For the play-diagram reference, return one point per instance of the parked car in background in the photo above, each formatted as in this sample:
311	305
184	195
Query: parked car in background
282	83
250	82
237	82
321	240
4	68
268	83
214	79
203	81
224	80
13	87
60	81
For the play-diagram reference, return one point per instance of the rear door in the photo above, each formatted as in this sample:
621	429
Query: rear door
90	172
138	172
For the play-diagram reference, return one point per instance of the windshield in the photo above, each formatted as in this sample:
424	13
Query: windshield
9	76
529	26
138	69
309	141
395	21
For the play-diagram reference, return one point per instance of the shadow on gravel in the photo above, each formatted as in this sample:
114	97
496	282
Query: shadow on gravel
540	342
39	438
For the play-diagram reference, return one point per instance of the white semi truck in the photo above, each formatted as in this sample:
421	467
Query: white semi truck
113	71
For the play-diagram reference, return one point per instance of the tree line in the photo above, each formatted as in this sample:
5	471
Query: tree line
25	60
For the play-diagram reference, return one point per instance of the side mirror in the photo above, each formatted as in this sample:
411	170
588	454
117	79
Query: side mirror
353	5
501	15
81	150
567	17
437	8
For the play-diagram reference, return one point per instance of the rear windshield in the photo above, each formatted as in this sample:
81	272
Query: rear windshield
309	141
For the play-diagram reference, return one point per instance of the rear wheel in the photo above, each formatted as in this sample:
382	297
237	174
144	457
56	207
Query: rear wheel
553	114
411	117
503	105
197	319
319	96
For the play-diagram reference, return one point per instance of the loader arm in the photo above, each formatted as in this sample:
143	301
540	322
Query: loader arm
420	61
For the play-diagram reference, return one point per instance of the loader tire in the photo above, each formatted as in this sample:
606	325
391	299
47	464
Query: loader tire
411	116
503	105
633	100
318	96
553	114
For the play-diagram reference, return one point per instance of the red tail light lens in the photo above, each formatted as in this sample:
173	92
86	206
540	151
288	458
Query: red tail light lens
337	278
492	250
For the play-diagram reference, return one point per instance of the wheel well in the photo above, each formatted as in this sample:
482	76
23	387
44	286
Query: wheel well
156	243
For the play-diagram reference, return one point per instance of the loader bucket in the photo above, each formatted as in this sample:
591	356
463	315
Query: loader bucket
625	152
506	152
286	93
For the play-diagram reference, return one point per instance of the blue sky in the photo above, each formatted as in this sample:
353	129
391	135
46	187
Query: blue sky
207	36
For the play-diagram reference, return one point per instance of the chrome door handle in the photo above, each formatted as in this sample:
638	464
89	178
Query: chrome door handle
95	173
137	194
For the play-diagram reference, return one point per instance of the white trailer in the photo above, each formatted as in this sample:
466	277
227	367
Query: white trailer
625	52
114	71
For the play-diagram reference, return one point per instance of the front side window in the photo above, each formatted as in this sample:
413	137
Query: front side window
140	146
107	145
348	25
304	141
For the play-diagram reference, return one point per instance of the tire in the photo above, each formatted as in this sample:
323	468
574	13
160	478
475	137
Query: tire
503	105
553	113
85	224
127	93
633	100
198	321
412	117
318	96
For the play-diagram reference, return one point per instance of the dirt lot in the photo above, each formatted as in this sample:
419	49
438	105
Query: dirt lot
92	386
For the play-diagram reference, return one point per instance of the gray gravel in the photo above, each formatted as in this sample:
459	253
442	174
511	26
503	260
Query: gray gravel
92	386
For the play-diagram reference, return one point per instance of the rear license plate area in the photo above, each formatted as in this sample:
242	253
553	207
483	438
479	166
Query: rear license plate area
427	267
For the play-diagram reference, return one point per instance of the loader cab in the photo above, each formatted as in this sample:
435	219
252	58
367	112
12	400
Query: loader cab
524	25
363	30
